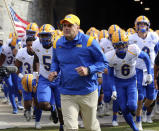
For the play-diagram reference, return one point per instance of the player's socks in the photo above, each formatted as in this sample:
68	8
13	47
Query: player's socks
38	114
129	119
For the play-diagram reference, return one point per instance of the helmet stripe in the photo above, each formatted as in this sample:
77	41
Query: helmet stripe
114	28
119	35
143	18
44	28
27	84
31	26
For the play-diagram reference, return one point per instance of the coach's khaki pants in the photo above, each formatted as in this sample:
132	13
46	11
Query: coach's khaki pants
87	104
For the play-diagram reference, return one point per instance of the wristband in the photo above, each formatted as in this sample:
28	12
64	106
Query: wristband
99	75
20	75
35	74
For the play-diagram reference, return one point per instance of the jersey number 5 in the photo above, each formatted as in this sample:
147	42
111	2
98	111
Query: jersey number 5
47	65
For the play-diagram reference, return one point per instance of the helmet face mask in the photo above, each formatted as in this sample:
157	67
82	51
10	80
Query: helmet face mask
31	35
143	27
46	40
142	24
120	47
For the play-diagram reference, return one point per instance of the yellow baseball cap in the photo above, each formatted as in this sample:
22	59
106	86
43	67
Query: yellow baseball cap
73	19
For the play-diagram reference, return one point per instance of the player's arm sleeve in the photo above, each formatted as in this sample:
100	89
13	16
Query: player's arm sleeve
100	61
146	59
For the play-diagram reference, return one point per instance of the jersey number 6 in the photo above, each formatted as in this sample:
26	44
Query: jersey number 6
125	69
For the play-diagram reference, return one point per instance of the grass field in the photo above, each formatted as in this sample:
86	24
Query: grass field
122	127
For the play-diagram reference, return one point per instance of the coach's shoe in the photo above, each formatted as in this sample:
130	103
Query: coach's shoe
37	125
149	120
27	114
139	126
144	116
115	123
54	116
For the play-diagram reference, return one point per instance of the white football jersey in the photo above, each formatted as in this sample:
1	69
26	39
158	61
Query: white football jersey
124	68
10	59
146	45
26	59
45	58
106	44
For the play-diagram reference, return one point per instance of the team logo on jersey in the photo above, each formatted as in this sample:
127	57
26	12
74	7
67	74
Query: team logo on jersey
135	41
46	51
79	45
9	53
23	58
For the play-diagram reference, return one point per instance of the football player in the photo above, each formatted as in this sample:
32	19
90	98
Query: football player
47	92
146	41
109	91
122	61
24	59
7	58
